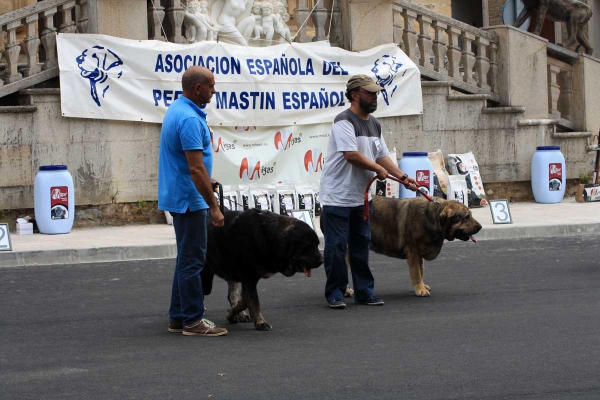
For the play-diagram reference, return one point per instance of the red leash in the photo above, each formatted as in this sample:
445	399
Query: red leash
406	184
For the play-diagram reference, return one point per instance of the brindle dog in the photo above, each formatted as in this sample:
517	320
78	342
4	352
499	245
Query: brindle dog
415	230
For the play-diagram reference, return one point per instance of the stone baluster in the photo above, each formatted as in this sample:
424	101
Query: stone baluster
566	97
453	52
301	13
319	18
48	39
11	53
31	45
83	20
553	89
409	36
175	12
468	58
397	13
156	15
482	65
2	41
494	67
68	25
439	46
425	43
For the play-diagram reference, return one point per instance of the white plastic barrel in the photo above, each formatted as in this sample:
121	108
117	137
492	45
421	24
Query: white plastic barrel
54	199
548	174
418	166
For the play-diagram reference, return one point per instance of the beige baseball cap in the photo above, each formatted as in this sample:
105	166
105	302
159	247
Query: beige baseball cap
365	82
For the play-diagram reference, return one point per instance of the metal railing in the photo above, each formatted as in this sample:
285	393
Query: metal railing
33	59
448	50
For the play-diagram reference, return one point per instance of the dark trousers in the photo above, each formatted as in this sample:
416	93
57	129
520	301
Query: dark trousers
344	227
187	303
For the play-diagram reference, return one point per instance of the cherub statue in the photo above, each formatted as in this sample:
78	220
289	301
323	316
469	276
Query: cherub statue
233	17
267	22
198	26
280	22
250	27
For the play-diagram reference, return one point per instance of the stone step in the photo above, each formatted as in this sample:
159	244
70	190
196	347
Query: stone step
468	97
503	110
571	135
18	109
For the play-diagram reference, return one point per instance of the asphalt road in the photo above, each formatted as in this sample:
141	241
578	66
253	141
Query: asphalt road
506	320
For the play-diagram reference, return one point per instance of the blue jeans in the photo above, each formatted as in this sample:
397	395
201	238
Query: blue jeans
344	227
187	299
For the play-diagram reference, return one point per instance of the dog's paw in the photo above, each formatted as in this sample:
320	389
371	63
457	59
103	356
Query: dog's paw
422	291
427	287
349	292
242	317
262	326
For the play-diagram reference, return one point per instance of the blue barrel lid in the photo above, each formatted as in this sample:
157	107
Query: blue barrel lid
53	167
548	148
414	154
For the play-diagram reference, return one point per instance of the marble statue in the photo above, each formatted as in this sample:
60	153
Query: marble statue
198	26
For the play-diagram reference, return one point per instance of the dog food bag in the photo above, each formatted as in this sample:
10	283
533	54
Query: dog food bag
260	198
245	196
284	198
457	189
465	164
316	186
387	187
304	192
440	174
231	198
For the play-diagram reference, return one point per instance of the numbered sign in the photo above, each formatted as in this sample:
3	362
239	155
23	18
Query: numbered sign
500	212
303	215
4	238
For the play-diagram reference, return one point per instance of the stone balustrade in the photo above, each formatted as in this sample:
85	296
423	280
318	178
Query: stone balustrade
560	84
166	20
38	48
446	49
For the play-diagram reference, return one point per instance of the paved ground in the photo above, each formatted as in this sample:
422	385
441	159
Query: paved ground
158	241
514	319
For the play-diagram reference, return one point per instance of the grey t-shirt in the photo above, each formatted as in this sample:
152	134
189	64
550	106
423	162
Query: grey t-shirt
343	184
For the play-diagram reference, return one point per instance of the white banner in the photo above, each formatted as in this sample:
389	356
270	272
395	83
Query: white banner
269	155
105	77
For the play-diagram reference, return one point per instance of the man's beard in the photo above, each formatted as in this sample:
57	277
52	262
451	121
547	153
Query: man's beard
367	106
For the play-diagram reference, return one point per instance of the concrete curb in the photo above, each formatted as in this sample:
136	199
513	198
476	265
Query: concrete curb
166	251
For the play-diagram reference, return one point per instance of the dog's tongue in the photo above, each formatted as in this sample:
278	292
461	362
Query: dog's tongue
307	272
473	239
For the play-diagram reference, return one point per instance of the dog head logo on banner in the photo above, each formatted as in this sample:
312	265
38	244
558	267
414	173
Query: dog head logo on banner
95	66
313	161
249	169
385	69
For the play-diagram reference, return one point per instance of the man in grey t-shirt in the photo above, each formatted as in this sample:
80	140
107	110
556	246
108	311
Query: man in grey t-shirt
356	152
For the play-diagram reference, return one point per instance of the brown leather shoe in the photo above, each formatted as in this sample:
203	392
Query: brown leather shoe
204	327
175	327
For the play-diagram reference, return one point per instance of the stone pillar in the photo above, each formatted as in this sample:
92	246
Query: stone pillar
319	18
522	65
125	19
370	24
301	13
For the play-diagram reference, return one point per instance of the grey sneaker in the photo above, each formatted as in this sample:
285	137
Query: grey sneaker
337	303
175	327
372	301
204	327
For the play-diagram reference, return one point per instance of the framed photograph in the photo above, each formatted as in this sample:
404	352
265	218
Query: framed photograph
500	212
5	238
303	215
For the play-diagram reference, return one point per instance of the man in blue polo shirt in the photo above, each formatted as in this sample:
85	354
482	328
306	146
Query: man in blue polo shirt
185	190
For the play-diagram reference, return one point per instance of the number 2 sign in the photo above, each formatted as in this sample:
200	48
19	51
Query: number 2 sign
500	212
4	238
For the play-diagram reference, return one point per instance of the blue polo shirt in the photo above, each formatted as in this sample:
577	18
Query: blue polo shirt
184	128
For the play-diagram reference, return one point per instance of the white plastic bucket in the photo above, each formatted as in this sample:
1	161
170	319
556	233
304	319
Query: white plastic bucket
418	166
548	174
54	199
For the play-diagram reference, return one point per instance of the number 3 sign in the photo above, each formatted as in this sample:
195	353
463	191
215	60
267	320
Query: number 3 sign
4	238
500	212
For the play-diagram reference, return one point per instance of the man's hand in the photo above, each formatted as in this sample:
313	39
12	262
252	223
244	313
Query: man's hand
381	173
413	184
216	217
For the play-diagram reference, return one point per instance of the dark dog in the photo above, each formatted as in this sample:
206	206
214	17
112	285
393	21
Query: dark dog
415	230
575	13
253	245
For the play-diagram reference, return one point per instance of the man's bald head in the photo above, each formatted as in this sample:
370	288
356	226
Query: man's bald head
195	75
